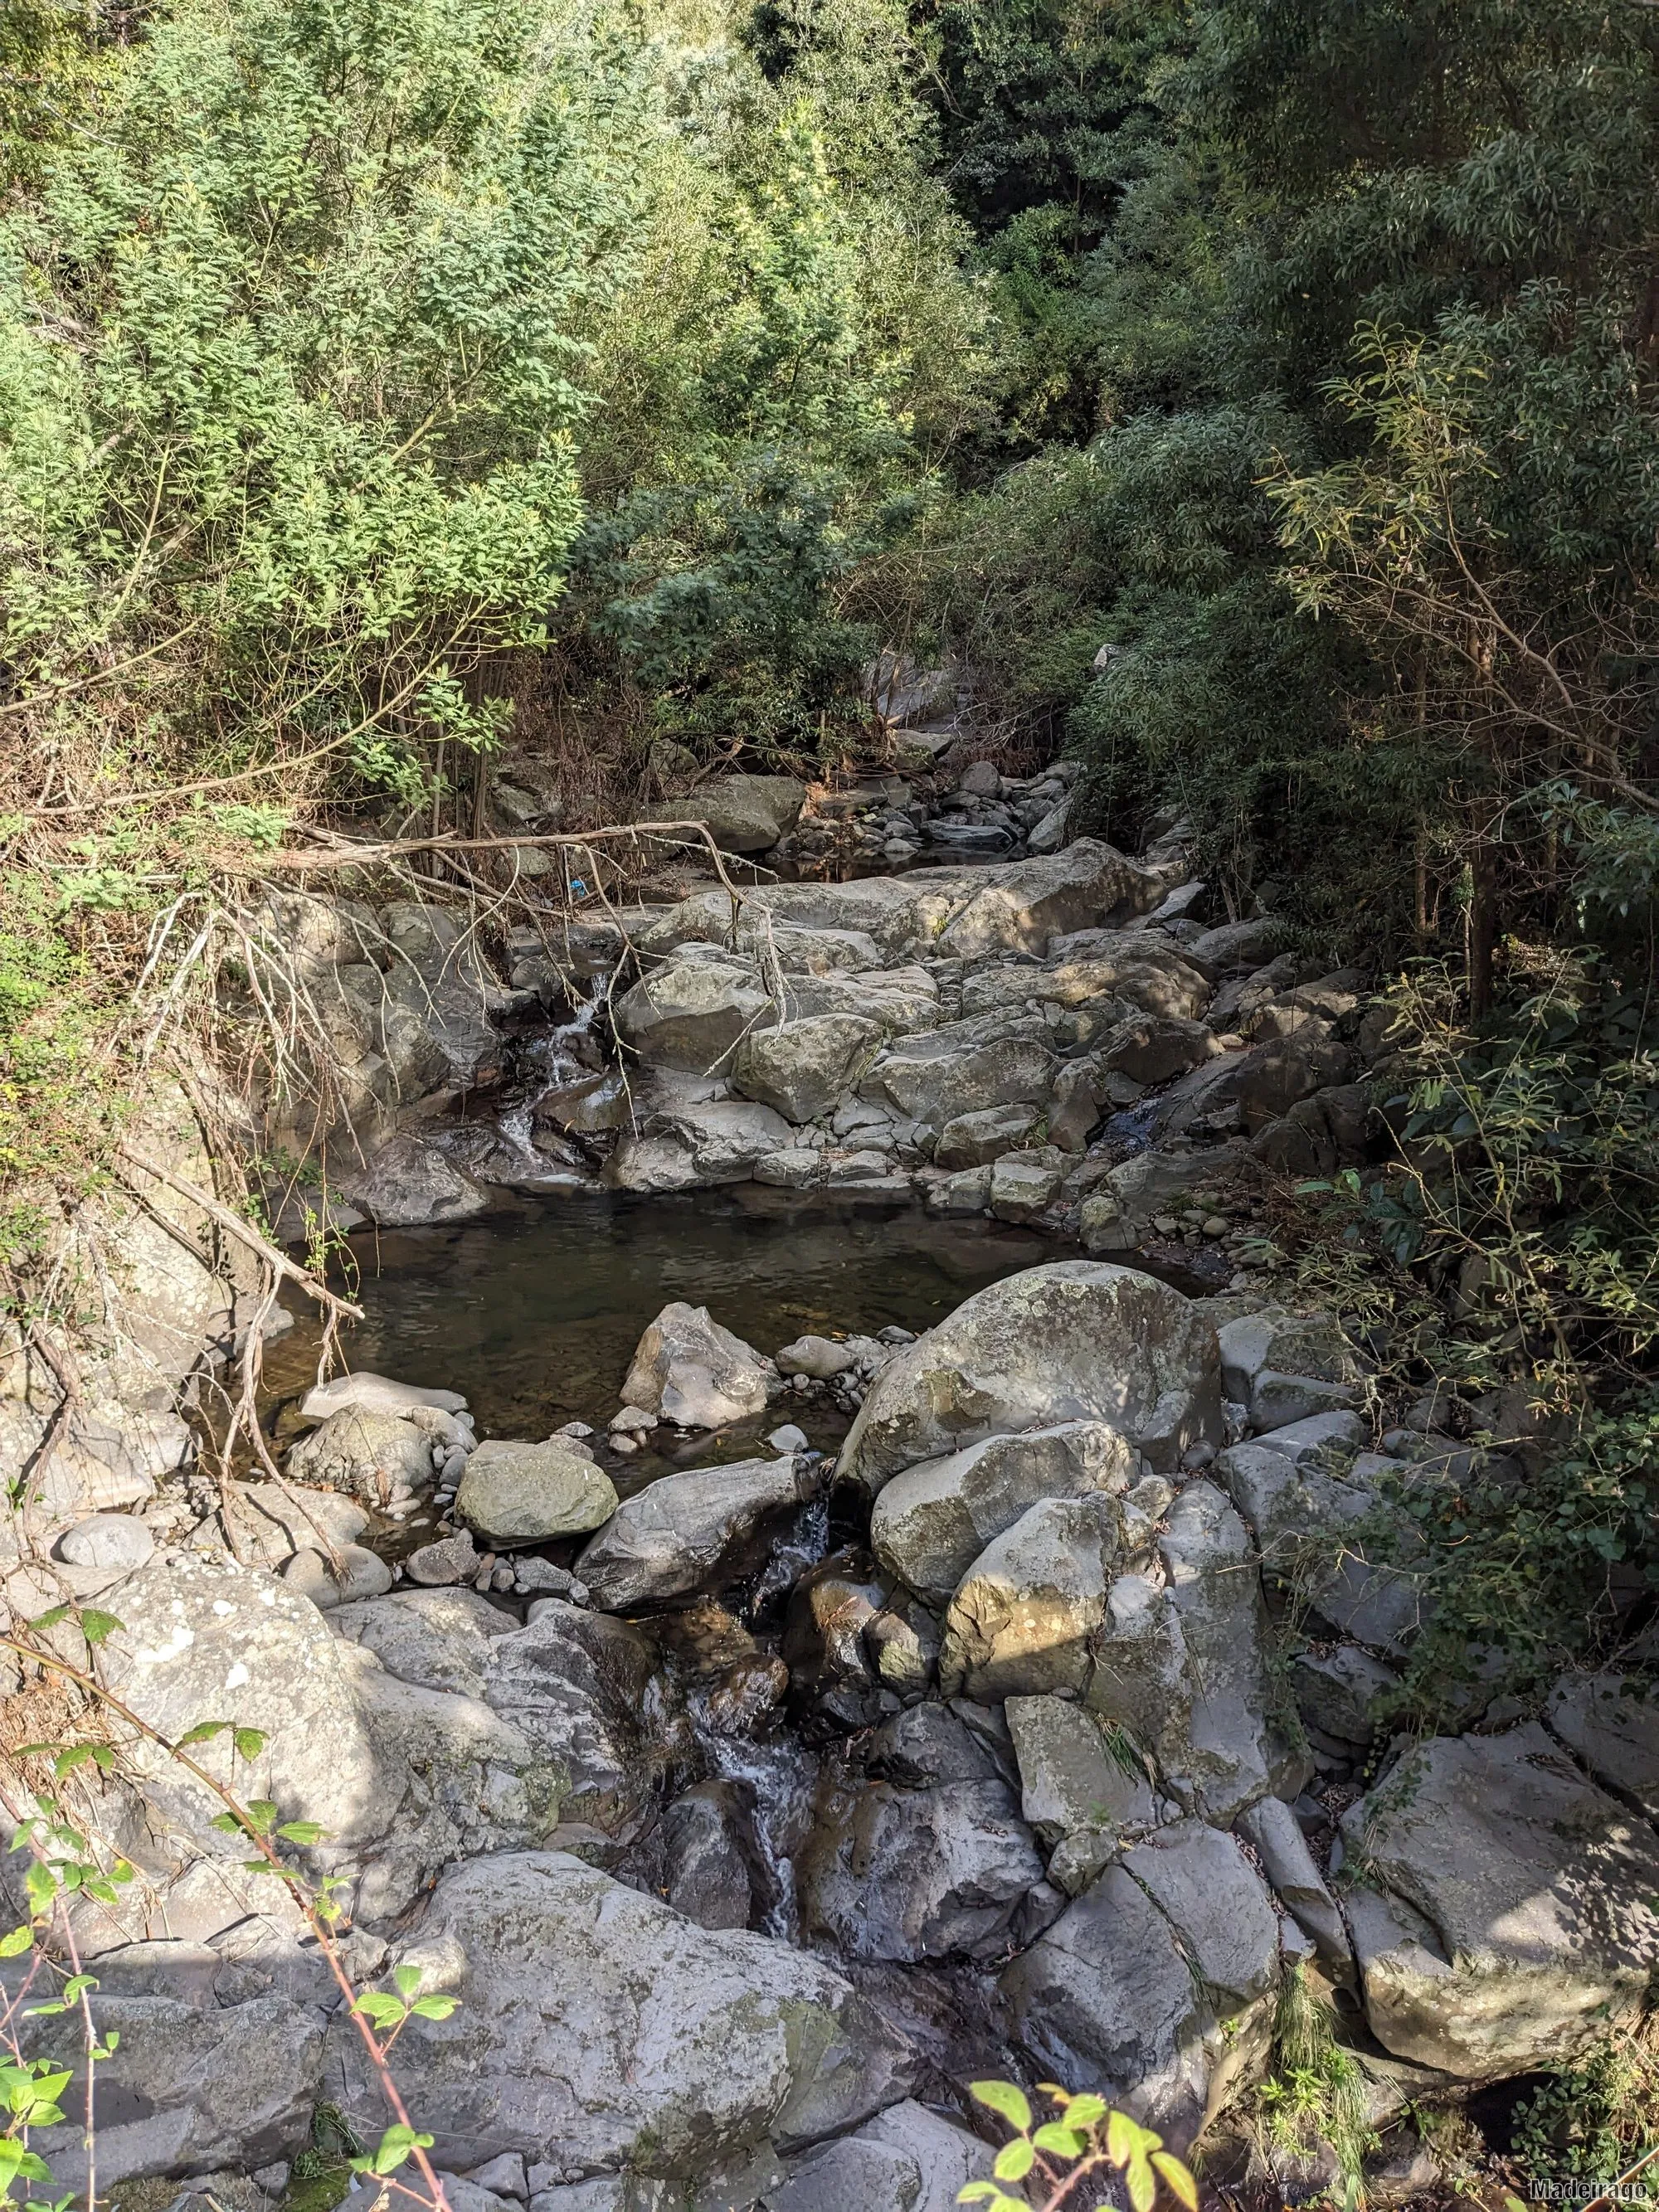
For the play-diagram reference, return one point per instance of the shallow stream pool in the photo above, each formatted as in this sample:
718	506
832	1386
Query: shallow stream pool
535	1317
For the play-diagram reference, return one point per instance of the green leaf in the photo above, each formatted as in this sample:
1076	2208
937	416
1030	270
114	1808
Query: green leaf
1084	2111
98	1627
227	1823
408	1980
381	2009
433	2007
1065	2142
18	1941
58	1612
76	1986
977	2192
41	1886
261	1815
394	2147
1126	2140
1015	2159
302	1831
1003	2097
204	1732
1142	2182
250	1742
1176	2179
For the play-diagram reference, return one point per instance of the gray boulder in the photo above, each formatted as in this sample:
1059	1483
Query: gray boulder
1151	1048
925	1744
804	1067
115	1541
725	1138
1153	1987
929	1524
938	1077
1612	1722
598	2030
688	1369
1081	1785
1078	1340
742	813
1023	1184
1026	1616
1502	1912
526	1493
973	1140
683	1531
1285	1343
189	2088
273	1521
1028	902
438	1639
907	1874
409	1183
361	1574
693	1011
369	1455
819	1358
1337	1692
706	1860
1274	1833
906	2160
1312	1529
375	1394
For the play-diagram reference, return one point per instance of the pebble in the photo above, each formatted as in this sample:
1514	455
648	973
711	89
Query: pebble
502	1579
788	1439
624	1443
575	1429
364	1574
632	1420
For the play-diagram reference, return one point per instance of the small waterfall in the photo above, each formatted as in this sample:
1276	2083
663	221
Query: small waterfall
558	1066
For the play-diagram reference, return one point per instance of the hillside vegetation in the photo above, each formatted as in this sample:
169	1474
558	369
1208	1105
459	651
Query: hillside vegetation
1258	398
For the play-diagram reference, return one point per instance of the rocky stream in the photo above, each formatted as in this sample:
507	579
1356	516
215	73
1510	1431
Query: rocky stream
827	1571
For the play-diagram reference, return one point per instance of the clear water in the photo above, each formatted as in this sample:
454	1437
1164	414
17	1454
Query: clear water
535	1317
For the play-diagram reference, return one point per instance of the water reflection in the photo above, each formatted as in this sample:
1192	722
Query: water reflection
535	1316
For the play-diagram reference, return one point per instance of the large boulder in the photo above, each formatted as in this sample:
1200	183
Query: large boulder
929	1524
409	1183
690	1370
908	2158
917	1874
1503	1908
804	1067
725	1138
693	1011
742	813
366	1454
401	1779
967	1067
190	2087
1154	1987
1612	1722
598	2030
1180	1663
683	1533
1074	1341
1137	973
1028	902
523	1493
1029	1609
1081	1785
588	1694
1315	1530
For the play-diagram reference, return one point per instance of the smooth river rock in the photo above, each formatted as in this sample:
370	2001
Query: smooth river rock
525	1493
